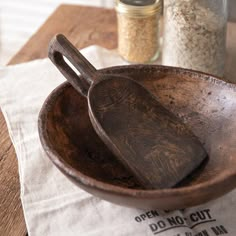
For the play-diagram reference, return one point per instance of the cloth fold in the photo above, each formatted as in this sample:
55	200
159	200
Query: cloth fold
52	204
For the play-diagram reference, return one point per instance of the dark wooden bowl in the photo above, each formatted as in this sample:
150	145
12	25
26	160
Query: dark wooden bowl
207	105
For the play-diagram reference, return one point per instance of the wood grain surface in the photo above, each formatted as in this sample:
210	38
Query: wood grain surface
84	26
206	105
155	145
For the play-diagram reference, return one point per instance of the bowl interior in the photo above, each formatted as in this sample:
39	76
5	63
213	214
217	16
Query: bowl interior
205	104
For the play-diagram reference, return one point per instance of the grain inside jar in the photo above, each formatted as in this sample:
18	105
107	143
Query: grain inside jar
138	30
195	35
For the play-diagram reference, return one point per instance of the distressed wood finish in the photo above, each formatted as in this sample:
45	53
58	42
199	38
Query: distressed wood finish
205	104
151	142
84	26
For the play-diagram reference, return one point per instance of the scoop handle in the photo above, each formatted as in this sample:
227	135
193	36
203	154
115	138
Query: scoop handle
60	47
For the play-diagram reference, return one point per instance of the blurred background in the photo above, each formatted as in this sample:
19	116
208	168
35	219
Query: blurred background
20	19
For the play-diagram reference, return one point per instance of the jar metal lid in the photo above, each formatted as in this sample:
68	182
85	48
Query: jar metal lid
138	8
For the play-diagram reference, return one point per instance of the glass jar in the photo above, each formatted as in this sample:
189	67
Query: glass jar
195	35
138	29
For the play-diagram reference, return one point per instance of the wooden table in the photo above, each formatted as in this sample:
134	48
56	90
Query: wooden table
84	26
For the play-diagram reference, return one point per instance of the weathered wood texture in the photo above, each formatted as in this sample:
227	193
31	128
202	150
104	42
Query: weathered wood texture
84	26
206	105
153	143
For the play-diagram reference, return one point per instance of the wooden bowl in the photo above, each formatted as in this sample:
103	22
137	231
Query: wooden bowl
207	105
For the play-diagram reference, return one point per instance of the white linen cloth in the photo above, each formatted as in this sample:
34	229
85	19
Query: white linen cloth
53	206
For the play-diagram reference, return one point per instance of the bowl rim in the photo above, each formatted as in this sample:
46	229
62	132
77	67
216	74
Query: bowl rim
87	181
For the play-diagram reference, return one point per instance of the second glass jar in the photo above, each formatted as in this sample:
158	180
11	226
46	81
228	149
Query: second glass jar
195	35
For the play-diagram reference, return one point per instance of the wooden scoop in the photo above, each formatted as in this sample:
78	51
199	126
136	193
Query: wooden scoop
150	141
